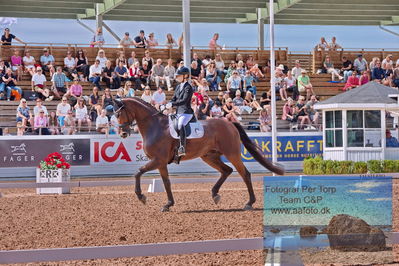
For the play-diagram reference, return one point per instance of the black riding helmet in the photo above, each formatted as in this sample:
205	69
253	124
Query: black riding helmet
183	71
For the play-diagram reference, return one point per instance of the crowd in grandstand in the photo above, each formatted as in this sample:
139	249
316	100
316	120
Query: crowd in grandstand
123	77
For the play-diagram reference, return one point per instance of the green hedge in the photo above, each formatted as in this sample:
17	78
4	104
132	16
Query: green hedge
318	166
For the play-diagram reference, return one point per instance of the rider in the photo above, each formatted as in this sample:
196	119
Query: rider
182	100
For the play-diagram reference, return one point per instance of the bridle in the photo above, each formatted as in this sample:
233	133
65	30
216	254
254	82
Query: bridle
127	126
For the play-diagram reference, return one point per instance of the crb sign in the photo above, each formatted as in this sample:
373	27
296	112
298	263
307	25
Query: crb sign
118	151
29	152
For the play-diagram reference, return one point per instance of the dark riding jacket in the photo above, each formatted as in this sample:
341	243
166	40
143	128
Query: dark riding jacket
182	98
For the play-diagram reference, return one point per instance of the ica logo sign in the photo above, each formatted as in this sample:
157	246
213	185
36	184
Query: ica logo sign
111	151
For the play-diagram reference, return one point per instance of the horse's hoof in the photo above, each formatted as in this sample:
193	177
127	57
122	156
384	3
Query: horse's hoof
248	207
143	199
165	209
216	198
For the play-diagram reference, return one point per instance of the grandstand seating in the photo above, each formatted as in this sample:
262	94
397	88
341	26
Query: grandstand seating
322	87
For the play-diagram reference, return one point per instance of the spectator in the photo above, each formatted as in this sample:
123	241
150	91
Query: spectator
82	65
114	125
204	111
121	58
216	110
62	110
200	95
364	78
256	73
395	76
180	41
289	113
241	69
132	59
6	38
297	70
128	91
145	73
333	45
313	115
207	60
29	63
249	83
120	94
158	98
219	64
373	62
265	120
24	115
82	115
10	84
240	103
147	58
250	62
198	60
70	66
234	84
69	124
229	111
53	124
39	107
279	83
391	141
95	74
305	85
212	77
74	92
60	83
98	38
102	123
170	41
136	76
16	64
329	66
388	79
152	42
3	66
213	42
47	62
303	116
121	74
251	102
323	45
219	99
352	82
110	77
265	99
290	85
378	73
347	68
101	58
41	124
232	67
386	61
95	104
108	101
239	58
203	85
158	73
126	41
196	72
39	85
360	64
147	95
6	132
169	74
140	41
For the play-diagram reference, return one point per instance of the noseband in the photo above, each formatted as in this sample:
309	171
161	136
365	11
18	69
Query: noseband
127	126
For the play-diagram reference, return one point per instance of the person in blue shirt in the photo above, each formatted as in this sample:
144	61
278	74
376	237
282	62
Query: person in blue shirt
391	141
378	73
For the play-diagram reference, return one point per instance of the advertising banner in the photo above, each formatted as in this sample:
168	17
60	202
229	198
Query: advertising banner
29	152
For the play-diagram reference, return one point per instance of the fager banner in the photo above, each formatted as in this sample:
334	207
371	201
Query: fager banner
29	152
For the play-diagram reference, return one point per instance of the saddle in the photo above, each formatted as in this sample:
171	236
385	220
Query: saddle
194	129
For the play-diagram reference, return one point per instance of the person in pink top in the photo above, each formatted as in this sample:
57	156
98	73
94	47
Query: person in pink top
364	78
75	90
213	42
41	124
16	64
352	82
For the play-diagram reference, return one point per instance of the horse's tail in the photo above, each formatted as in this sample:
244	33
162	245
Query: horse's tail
256	152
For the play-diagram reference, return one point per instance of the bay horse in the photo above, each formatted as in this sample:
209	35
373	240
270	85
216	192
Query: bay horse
221	137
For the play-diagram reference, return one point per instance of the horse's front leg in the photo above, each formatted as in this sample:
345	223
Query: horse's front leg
163	170
151	165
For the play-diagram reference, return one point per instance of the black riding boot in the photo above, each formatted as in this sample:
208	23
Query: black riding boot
182	149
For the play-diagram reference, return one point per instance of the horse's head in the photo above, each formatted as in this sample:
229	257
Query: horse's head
125	118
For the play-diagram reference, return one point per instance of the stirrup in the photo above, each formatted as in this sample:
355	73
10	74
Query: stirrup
181	151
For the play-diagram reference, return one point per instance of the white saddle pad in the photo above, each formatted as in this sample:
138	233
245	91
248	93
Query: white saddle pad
197	130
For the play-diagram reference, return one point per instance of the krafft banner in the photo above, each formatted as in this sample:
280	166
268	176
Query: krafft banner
29	152
289	148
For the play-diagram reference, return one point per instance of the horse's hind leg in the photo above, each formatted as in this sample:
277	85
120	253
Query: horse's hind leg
213	160
166	182
246	176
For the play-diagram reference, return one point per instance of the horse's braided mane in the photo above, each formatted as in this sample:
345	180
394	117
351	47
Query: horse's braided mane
147	104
